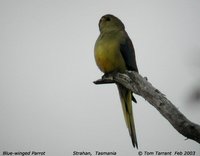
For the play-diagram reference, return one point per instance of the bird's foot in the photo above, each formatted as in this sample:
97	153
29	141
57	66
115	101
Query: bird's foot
107	76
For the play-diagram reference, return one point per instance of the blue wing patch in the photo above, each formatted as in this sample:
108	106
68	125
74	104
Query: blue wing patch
128	53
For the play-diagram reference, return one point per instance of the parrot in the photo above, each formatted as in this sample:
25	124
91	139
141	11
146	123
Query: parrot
114	52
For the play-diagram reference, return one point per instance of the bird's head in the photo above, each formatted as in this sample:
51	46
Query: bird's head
109	23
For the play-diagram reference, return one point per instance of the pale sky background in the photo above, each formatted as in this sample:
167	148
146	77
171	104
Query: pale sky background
47	99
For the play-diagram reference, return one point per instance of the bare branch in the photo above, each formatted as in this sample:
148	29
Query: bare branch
140	86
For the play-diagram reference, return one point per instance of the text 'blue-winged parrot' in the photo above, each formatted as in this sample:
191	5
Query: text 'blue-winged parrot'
114	52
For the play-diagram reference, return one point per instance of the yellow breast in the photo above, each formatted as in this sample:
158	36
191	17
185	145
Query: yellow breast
108	57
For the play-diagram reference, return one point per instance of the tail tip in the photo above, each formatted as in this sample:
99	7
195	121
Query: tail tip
135	145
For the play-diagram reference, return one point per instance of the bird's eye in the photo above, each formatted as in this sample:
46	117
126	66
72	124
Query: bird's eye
108	19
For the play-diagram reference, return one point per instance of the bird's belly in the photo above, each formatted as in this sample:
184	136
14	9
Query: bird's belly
109	59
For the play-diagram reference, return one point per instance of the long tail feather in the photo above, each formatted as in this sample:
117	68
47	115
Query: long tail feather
126	101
